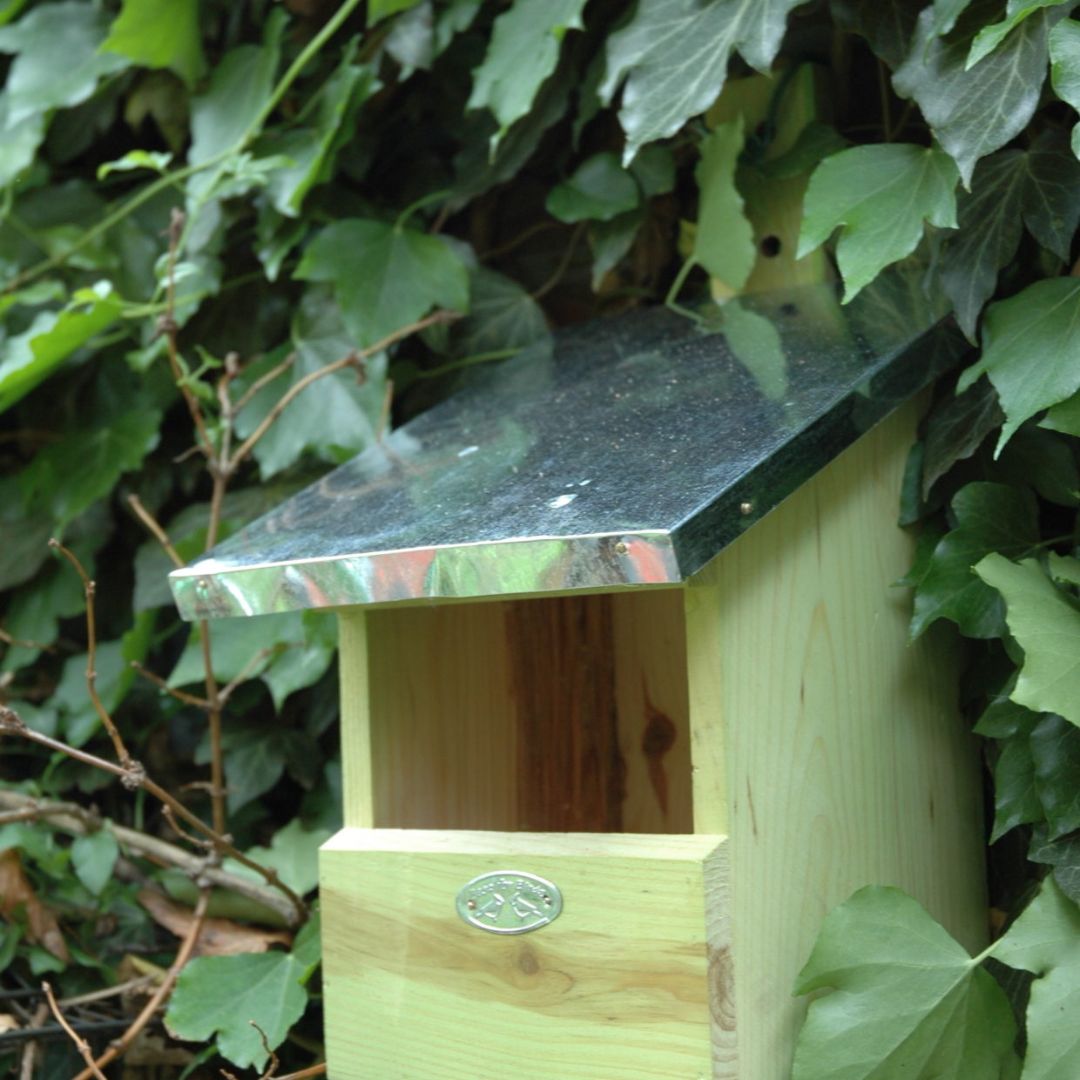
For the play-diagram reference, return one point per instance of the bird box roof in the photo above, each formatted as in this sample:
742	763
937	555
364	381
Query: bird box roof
628	453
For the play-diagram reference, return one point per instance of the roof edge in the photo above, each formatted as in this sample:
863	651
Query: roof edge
497	569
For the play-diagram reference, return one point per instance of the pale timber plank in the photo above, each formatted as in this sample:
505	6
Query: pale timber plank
616	988
828	748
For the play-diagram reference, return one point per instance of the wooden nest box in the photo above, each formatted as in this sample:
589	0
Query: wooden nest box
627	698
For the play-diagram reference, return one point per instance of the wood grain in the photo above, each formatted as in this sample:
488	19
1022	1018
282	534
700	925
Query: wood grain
616	988
831	748
558	713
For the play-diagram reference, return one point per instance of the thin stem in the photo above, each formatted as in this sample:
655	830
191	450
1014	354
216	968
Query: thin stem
134	777
264	380
122	754
467	361
353	359
78	821
564	263
172	691
679	282
80	1043
155	528
159	996
424	200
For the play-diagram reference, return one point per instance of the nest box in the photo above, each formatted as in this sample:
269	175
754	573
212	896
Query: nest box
627	698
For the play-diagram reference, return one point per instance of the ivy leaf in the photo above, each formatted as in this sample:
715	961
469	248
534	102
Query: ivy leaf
990	37
19	143
599	190
1064	417
724	238
384	276
217	997
293	853
1016	797
36	82
1045	940
1055	752
887	25
1064	568
1063	855
502	317
335	417
945	14
956	429
1038	459
612	240
377	10
989	234
671	59
907	1000
313	147
881	195
30	357
1031	350
523	52
256	759
160	36
989	517
1065	68
1052	193
84	465
755	342
238	91
1047	627
974	112
93	857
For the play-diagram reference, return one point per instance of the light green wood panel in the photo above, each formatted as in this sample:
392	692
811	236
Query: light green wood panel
356	778
626	984
832	749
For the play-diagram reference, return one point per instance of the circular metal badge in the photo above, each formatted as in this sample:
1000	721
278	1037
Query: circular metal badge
509	902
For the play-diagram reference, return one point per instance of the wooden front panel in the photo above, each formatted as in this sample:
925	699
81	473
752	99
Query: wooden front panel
630	982
559	714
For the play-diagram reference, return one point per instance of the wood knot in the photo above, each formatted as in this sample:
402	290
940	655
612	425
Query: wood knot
527	961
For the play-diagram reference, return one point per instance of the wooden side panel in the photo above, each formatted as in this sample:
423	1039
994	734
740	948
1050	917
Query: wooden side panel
832	748
443	737
616	988
356	778
561	714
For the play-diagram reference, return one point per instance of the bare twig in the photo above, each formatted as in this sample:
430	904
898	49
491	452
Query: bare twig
122	754
119	989
135	777
183	955
263	380
80	1043
15	642
154	526
161	684
77	820
353	359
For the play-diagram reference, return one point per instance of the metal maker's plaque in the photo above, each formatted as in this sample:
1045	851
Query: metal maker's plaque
509	902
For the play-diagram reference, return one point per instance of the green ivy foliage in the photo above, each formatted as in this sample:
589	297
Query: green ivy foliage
342	170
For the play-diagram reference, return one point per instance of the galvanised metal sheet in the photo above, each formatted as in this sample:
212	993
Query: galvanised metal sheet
629	455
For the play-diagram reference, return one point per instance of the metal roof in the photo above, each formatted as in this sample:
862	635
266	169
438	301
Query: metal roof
631	454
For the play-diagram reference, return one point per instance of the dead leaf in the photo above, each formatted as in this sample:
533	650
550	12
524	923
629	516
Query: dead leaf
15	892
8	1022
218	937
